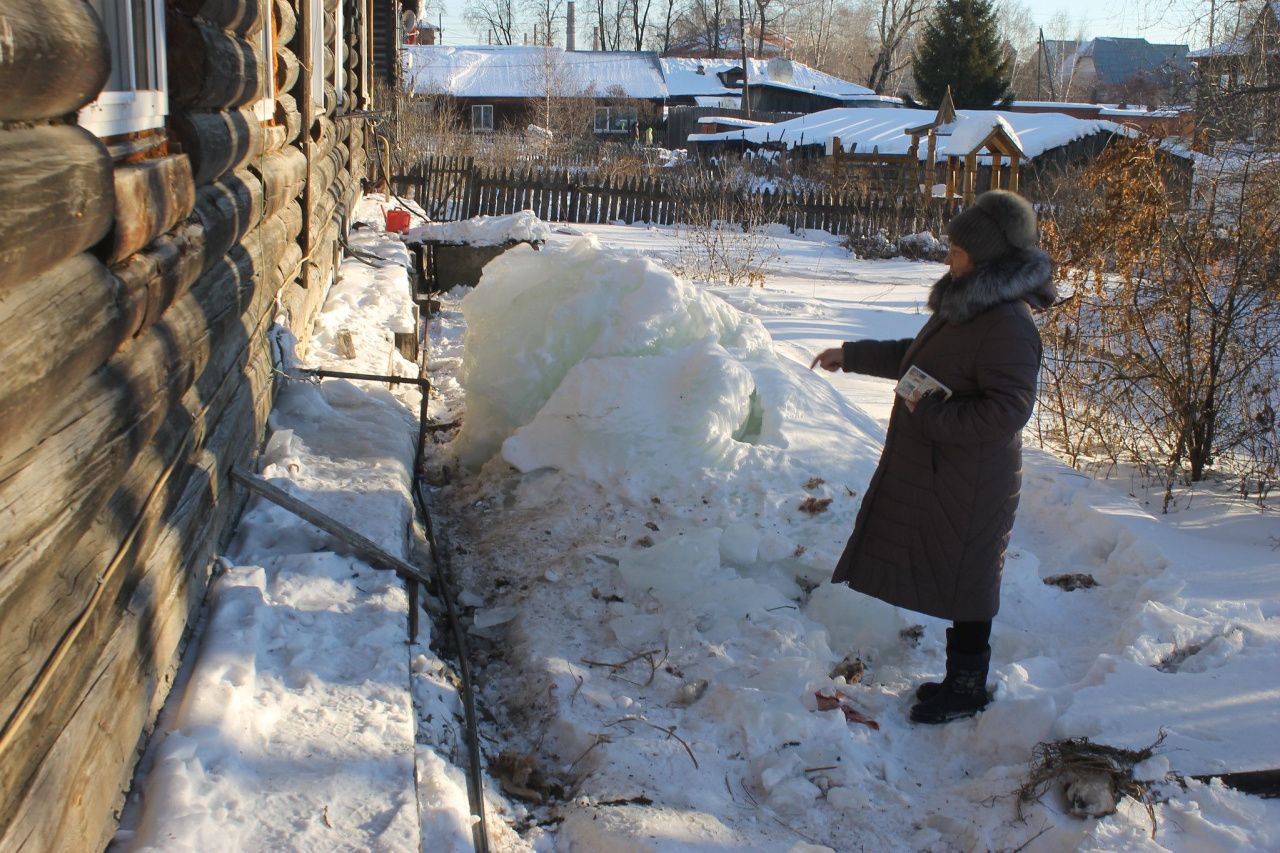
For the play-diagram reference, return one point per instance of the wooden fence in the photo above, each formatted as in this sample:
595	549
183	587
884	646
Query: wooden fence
453	188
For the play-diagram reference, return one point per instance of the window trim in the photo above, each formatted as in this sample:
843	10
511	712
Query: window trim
339	68
482	127
315	9
265	107
119	111
632	118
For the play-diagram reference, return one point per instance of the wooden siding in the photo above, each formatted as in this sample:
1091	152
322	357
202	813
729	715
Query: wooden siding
135	312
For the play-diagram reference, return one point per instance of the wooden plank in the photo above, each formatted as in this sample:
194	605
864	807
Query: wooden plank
151	197
218	142
59	199
56	59
209	68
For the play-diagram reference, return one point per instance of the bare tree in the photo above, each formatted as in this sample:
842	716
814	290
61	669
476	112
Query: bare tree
547	17
895	25
638	18
672	12
498	18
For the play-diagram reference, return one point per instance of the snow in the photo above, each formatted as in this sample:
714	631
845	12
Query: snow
520	71
683	80
967	135
884	130
522	226
648	602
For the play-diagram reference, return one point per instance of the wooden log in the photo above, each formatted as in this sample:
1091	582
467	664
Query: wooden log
287	70
227	210
218	142
282	175
208	68
286	21
56	329
55	59
288	116
242	17
101	424
80	737
42	581
151	197
56	183
153	279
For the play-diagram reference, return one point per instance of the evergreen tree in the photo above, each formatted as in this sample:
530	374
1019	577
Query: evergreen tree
961	48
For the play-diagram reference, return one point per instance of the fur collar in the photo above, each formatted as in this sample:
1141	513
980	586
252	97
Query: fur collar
1026	274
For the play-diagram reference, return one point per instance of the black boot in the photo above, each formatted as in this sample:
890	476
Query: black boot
962	693
929	689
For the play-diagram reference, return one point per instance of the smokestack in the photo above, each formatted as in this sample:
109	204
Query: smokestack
569	29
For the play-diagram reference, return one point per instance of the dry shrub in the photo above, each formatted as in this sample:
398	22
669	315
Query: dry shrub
720	227
1165	353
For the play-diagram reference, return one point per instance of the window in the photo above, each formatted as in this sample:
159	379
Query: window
136	95
265	108
615	119
482	117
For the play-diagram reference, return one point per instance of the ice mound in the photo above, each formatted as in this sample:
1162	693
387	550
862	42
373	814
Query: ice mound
608	367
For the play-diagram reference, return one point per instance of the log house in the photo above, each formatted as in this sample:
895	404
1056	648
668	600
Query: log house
177	177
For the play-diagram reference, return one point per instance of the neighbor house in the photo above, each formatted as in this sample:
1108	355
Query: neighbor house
513	86
1114	70
1235	80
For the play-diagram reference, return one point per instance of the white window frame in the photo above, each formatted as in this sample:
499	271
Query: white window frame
316	10
131	109
265	108
482	127
339	68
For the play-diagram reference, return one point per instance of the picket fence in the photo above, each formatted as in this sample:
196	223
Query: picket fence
454	188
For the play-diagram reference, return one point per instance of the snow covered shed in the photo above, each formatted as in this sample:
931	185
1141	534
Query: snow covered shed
508	85
177	178
881	138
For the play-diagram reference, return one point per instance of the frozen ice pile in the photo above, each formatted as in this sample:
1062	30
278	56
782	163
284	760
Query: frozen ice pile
607	367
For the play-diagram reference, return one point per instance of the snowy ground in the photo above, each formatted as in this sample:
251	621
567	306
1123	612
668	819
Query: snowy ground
650	614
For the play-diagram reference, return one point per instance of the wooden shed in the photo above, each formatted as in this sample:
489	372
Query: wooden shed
176	175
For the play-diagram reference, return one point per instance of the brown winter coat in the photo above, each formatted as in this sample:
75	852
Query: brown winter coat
935	521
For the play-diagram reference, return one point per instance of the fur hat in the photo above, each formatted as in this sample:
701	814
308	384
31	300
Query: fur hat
997	224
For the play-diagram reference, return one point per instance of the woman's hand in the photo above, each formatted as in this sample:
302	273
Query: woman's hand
829	359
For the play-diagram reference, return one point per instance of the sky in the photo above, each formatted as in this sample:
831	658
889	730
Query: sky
1154	20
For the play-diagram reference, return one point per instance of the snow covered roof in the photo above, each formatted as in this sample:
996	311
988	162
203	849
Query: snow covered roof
967	135
884	131
683	78
518	71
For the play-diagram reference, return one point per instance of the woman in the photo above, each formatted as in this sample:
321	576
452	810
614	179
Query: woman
935	521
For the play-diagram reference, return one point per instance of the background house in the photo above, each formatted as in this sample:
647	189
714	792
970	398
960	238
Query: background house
1115	70
1234	80
510	86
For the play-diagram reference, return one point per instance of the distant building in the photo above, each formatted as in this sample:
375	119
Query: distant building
1115	71
1228	72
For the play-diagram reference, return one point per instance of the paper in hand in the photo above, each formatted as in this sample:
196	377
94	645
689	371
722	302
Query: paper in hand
917	382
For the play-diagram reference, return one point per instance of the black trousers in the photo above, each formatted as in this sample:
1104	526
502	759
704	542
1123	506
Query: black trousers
971	638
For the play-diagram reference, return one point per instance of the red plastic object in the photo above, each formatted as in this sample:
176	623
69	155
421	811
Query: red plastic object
397	220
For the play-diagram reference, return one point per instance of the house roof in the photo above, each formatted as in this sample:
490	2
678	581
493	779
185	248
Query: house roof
1241	45
864	130
1119	60
684	80
518	71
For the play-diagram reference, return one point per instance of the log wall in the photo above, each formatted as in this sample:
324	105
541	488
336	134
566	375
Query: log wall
136	303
